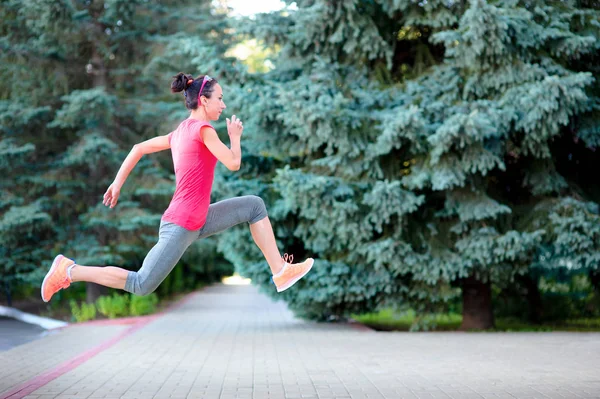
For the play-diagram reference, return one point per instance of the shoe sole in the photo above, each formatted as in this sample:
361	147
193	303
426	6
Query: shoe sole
295	279
54	266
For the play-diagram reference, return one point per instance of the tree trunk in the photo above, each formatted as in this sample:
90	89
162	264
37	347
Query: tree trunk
7	291
594	305
477	304
595	280
534	299
94	291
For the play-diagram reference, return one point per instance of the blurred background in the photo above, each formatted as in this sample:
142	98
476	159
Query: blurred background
437	158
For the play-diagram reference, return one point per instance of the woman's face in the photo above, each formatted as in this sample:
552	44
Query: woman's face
214	105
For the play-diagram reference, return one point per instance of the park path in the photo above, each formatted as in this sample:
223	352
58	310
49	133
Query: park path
231	342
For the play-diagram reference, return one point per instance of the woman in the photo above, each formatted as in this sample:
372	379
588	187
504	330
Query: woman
196	148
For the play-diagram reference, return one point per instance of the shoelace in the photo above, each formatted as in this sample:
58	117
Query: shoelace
288	258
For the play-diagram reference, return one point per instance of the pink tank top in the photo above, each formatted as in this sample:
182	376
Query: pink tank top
194	173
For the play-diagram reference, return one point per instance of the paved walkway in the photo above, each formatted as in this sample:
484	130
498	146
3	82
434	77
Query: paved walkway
14	333
232	342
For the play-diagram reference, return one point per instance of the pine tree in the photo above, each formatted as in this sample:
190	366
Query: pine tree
414	148
84	81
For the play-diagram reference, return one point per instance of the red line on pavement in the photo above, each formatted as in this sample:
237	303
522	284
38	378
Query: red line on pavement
39	381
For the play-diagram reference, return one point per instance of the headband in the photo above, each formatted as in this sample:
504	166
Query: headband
206	79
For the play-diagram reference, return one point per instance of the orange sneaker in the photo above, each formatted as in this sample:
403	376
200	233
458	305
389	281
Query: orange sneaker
291	273
57	277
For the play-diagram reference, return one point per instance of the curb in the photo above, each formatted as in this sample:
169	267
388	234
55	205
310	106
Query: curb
44	322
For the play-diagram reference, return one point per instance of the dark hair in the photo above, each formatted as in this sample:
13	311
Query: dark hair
190	90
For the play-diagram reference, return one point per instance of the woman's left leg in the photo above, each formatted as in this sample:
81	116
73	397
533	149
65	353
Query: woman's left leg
262	233
247	209
251	209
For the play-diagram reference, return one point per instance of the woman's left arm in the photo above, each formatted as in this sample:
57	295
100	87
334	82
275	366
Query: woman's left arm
156	144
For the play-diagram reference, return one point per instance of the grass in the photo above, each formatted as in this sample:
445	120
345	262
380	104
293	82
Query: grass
389	320
573	325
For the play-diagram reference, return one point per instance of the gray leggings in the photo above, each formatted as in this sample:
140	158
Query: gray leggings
173	240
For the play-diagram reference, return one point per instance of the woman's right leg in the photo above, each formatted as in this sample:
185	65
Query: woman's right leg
109	276
162	258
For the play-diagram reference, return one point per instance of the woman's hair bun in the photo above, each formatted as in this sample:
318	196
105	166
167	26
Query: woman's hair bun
180	82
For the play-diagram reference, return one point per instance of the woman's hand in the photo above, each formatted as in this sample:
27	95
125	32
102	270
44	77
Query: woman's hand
234	127
112	195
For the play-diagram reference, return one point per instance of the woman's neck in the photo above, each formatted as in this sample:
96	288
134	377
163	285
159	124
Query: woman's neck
199	114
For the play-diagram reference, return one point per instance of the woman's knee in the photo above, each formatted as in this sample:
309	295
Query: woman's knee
146	290
258	207
138	286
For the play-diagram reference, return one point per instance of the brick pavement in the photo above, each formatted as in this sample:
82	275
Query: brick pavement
232	342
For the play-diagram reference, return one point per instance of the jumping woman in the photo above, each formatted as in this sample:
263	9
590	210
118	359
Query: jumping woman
195	148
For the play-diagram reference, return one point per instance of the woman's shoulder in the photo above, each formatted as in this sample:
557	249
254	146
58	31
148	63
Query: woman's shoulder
197	124
191	129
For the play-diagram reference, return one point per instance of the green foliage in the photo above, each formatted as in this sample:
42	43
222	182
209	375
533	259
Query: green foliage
388	319
142	305
82	312
409	320
113	306
436	152
574	229
116	305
